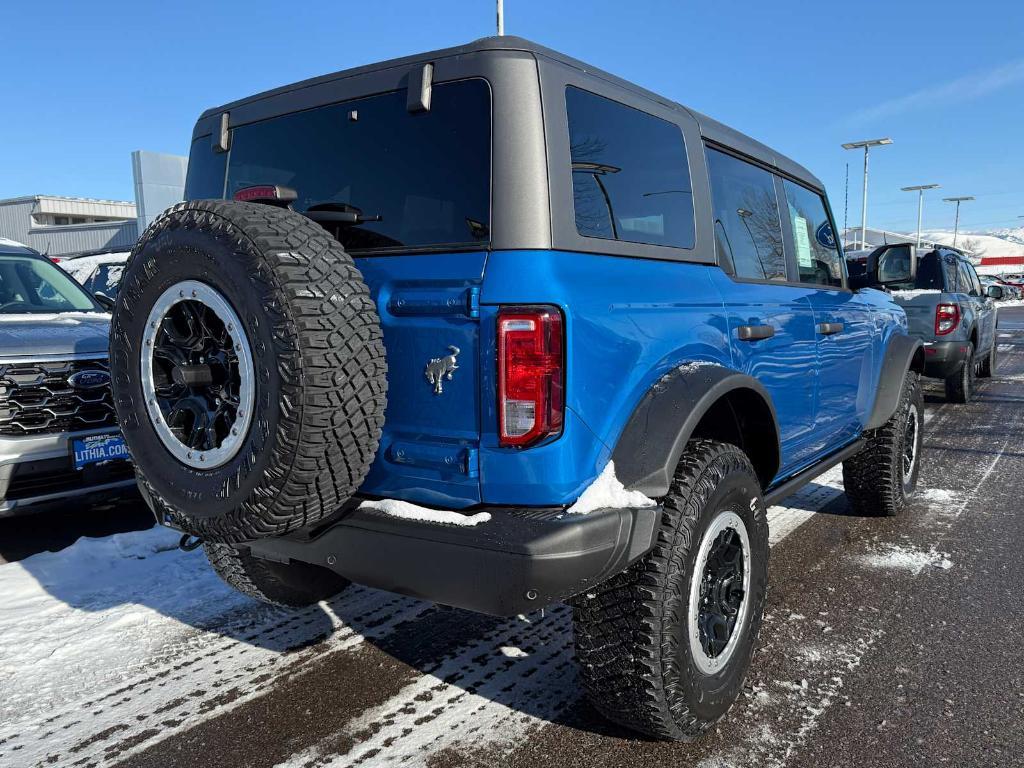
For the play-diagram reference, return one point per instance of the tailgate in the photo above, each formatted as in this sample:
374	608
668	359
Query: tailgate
428	306
920	308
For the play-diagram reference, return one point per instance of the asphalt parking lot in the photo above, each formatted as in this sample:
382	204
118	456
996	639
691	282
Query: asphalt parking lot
887	642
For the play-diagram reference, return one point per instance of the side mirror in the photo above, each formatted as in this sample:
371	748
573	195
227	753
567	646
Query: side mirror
994	292
104	301
894	264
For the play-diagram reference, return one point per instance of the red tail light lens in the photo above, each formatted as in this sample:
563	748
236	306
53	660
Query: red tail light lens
266	193
531	374
947	318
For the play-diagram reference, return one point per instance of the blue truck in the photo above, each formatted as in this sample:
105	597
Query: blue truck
496	329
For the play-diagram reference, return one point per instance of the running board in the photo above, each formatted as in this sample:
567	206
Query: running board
799	480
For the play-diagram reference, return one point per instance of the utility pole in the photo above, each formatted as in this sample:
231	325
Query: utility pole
956	225
501	18
865	145
920	188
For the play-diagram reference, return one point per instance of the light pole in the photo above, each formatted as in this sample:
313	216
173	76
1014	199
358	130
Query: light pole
920	188
865	145
956	225
501	18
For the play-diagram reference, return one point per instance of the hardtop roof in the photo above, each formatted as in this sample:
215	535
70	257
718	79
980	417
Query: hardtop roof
710	128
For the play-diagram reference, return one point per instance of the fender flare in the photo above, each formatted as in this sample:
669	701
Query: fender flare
902	354
650	445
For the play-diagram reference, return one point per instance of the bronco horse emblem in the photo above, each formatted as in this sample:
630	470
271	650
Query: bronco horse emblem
440	368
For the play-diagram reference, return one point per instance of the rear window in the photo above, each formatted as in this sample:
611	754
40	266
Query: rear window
413	180
630	177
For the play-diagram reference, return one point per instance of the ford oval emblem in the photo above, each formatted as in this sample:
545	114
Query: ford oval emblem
89	379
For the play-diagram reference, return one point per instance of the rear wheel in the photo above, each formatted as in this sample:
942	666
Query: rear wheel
294	584
987	369
248	370
960	385
664	646
883	475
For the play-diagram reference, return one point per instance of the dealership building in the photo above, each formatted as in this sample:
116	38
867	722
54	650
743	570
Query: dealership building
64	226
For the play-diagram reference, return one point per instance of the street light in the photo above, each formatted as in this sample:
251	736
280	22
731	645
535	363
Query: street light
920	188
957	200
866	145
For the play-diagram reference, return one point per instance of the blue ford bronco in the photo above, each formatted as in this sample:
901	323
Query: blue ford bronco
409	313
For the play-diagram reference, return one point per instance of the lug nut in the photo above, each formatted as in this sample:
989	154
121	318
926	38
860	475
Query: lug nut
531	594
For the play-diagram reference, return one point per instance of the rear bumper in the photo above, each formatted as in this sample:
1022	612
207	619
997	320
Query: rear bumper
943	358
518	561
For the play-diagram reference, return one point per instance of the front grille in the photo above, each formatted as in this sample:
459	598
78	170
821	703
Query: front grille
39	398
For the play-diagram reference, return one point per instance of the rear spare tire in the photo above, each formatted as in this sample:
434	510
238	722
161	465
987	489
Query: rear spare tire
248	370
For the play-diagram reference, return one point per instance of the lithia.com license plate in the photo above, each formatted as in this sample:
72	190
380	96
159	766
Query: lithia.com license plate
97	449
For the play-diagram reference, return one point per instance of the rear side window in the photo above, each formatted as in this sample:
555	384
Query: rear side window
817	254
630	177
414	180
748	233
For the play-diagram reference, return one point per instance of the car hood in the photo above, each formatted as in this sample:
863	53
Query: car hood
42	337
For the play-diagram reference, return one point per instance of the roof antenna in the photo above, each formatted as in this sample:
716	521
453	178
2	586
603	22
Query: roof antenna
501	18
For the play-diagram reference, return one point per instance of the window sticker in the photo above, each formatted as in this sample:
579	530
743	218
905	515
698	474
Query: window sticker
803	242
824	235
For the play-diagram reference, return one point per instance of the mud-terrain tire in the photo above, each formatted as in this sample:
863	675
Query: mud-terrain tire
881	476
639	662
987	368
960	385
318	384
293	585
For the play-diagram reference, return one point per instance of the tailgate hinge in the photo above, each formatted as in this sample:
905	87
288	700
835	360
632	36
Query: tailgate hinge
473	301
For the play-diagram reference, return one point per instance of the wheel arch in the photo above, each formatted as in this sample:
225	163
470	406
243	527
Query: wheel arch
902	354
707	401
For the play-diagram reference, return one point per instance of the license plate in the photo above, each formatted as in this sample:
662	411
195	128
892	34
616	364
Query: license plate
97	449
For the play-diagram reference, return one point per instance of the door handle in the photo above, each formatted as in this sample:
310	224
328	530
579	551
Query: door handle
829	329
755	332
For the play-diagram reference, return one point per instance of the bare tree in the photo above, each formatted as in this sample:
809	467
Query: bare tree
972	246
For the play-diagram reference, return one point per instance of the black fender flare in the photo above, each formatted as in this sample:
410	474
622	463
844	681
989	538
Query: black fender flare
649	448
902	354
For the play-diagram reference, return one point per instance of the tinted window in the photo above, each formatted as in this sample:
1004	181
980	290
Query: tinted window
426	176
748	235
630	178
967	279
817	254
205	177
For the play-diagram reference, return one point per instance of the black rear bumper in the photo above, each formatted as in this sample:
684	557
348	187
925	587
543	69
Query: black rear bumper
944	358
518	561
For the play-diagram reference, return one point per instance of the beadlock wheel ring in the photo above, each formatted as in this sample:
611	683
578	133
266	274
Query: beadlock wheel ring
197	375
727	529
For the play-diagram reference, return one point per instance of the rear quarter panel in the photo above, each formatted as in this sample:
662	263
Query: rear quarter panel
628	323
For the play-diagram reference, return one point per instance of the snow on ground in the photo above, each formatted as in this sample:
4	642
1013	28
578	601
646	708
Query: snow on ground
607	492
896	557
984	244
407	511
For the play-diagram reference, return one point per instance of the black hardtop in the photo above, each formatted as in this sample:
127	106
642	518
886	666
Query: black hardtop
711	129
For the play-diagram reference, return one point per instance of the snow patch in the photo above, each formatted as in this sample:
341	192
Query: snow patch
910	295
937	495
407	511
607	492
899	558
510	651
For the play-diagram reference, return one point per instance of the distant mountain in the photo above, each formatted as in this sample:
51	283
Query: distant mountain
1004	242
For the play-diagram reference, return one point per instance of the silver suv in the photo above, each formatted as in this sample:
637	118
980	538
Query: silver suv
58	434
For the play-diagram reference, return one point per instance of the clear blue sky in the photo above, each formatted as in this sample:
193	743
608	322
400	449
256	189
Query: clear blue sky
86	83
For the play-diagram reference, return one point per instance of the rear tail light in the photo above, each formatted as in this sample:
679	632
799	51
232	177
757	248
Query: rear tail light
531	374
947	318
267	193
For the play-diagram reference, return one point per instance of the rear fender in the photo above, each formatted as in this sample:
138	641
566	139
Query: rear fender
902	354
667	417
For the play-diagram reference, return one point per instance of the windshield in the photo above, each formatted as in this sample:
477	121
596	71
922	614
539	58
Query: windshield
30	285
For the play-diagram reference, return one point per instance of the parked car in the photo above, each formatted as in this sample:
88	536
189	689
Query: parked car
58	433
1008	290
950	311
496	329
97	273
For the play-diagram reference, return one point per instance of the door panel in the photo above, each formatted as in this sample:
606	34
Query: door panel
785	363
